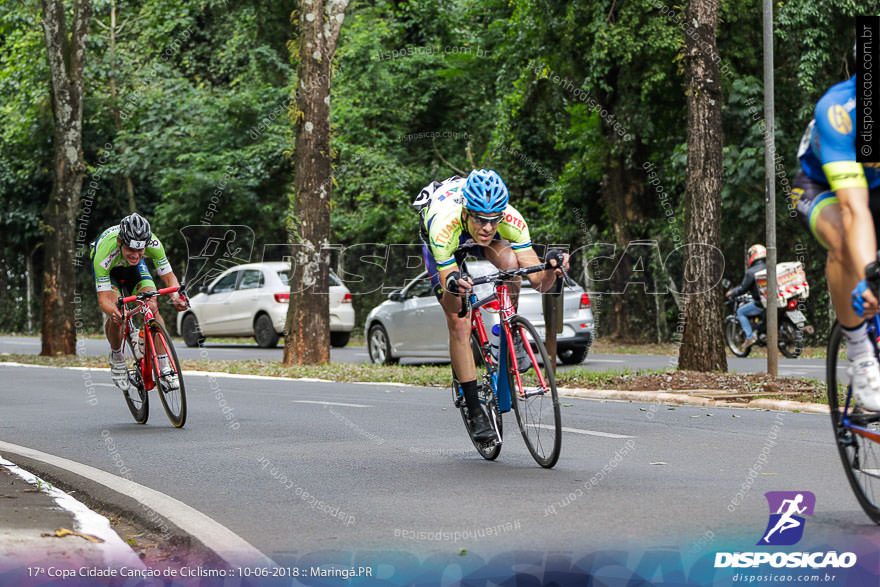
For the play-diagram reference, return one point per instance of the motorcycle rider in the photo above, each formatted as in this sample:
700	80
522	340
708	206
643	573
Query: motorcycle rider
757	256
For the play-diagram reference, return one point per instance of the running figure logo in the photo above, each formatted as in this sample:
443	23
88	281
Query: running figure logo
786	525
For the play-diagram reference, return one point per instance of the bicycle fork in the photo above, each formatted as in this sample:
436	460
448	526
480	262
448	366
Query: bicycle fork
542	384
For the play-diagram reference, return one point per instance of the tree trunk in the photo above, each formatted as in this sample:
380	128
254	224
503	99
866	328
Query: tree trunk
308	318
29	275
702	346
623	191
66	51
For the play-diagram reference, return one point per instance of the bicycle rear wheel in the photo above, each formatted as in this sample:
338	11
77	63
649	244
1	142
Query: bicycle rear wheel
858	452
533	394
136	397
488	449
174	401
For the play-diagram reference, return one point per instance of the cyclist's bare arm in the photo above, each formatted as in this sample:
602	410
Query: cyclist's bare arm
540	281
858	230
107	303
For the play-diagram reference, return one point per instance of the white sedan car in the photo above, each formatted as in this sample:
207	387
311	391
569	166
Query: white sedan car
252	300
411	323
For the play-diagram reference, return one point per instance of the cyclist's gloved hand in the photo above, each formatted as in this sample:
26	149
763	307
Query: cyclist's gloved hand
452	282
858	299
553	255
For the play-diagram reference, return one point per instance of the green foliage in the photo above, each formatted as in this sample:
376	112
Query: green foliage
422	90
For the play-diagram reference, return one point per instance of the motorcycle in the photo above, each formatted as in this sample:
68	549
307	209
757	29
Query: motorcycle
792	326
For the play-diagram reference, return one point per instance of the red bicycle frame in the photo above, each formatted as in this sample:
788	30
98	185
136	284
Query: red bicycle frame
149	344
505	304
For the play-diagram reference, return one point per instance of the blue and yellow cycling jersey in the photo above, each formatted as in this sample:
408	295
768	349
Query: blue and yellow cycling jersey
828	148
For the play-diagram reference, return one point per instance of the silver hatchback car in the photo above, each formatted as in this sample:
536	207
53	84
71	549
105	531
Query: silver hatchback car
411	322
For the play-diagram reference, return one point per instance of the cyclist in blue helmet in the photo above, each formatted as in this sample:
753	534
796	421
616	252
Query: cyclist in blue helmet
485	192
473	216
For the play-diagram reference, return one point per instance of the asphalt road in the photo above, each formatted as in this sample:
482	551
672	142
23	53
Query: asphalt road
394	472
813	368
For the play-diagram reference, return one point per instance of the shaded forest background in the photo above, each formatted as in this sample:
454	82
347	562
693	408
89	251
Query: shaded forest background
579	105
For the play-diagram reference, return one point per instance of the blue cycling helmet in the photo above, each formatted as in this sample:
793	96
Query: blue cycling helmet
485	192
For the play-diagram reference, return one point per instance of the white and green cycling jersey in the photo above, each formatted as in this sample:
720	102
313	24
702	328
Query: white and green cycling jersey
106	256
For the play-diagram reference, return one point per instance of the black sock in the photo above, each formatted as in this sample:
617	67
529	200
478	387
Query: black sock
469	388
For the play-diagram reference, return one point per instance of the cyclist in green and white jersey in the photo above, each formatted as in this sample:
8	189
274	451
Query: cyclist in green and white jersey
119	268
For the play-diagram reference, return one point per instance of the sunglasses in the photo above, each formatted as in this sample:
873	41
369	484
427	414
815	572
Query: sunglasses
484	220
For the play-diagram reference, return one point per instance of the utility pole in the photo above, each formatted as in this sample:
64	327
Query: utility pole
770	194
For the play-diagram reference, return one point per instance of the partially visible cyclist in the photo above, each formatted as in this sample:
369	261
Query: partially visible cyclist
757	257
462	216
838	201
119	268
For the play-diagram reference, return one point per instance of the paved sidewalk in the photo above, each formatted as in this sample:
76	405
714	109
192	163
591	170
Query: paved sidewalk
31	515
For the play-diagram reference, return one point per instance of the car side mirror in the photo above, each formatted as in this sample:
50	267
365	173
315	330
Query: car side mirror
203	289
396	296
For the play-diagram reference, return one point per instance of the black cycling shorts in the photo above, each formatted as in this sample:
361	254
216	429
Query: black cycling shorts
810	197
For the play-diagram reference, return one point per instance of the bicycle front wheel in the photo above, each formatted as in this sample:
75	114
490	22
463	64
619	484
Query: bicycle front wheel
173	400
136	397
534	396
858	452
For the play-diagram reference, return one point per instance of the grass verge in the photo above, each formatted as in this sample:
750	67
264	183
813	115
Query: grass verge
740	387
671	349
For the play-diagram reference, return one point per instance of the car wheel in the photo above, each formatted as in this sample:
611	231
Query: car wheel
264	332
192	336
573	355
379	347
339	339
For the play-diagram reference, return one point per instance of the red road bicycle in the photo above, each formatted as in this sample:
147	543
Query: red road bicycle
502	382
144	374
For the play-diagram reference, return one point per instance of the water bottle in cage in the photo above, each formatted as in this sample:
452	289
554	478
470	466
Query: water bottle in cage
137	343
494	335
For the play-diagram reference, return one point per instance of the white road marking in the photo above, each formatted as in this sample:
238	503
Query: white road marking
229	546
384	383
588	432
305	401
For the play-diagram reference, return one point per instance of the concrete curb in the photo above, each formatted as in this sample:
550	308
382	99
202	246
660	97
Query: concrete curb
683	398
142	502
